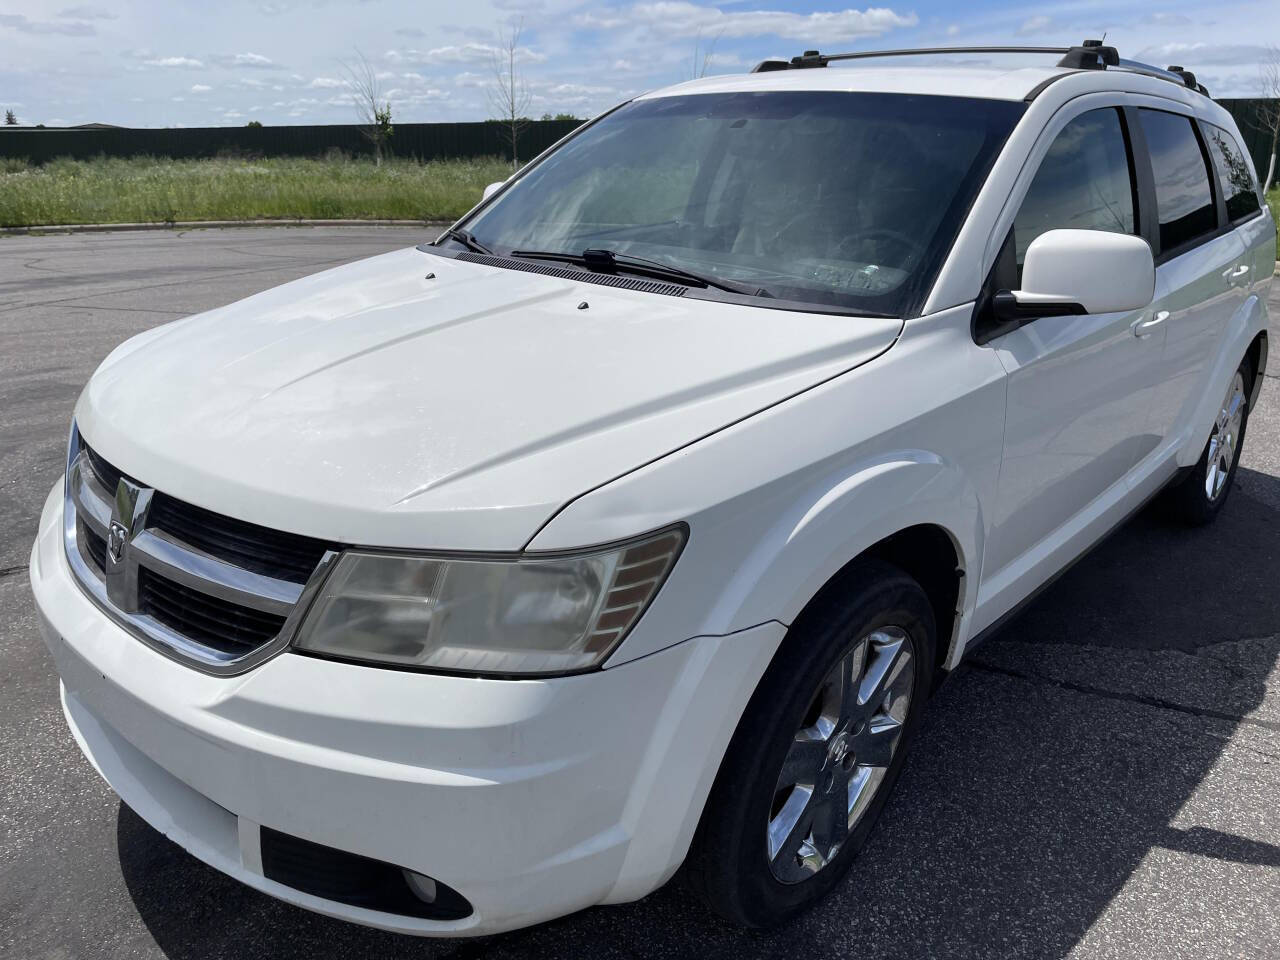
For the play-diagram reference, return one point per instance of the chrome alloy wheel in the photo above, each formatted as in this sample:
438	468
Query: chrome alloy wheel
840	754
1224	442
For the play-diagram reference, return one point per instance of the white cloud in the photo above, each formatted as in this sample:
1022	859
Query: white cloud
200	88
461	53
402	98
26	25
86	13
681	18
1033	25
1203	54
1167	19
174	62
576	90
326	83
252	60
953	29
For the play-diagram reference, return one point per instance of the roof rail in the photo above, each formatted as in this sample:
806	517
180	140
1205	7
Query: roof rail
1090	55
812	58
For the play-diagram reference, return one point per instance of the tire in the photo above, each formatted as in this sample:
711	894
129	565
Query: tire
1196	499
744	861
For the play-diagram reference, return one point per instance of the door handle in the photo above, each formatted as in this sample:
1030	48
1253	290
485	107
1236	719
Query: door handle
1235	273
1144	328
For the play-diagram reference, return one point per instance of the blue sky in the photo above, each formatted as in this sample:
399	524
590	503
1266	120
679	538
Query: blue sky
224	62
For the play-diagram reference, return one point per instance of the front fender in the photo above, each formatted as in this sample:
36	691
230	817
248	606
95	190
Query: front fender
778	503
842	518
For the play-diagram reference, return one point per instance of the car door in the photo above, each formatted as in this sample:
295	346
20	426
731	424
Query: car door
1202	274
1080	388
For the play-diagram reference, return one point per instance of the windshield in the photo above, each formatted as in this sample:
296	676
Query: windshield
846	200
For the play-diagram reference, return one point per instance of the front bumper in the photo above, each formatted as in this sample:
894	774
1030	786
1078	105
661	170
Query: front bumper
531	798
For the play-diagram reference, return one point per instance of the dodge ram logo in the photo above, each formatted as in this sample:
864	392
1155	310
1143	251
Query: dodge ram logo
117	535
128	520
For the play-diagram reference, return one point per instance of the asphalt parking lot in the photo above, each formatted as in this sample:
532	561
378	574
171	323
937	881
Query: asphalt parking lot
1101	780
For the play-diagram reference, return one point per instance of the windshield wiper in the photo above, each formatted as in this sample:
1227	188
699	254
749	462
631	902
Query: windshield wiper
607	260
467	239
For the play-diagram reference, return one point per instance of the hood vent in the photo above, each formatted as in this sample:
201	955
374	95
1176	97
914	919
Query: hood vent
570	273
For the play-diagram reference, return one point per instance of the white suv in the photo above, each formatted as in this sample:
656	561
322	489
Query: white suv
631	523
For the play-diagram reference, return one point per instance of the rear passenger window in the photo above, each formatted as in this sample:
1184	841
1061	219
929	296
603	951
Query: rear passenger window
1184	199
1083	183
1235	173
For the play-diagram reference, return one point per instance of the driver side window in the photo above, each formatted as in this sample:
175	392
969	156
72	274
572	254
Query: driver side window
1084	183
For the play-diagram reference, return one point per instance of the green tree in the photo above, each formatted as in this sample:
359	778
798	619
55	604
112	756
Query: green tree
9	119
254	124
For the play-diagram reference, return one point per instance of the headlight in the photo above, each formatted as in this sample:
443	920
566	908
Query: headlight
532	615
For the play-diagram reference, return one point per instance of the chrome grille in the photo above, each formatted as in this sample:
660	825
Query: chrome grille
226	626
217	593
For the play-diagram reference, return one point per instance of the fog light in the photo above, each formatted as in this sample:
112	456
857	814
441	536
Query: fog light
424	888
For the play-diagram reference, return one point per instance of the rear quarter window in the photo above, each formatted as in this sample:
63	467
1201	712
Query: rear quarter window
1235	173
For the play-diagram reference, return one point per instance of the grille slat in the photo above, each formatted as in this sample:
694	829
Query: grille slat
96	546
259	549
108	475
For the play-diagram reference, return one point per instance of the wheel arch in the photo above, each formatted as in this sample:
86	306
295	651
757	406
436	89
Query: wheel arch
929	554
912	509
1257	354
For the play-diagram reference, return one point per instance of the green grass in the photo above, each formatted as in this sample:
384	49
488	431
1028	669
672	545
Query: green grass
1273	199
157	190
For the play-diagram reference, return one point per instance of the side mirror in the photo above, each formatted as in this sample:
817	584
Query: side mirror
493	188
1081	271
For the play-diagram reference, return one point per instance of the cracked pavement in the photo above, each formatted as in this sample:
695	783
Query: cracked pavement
1099	780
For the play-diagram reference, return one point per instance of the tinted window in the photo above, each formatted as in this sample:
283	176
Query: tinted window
1184	199
843	199
1083	183
1235	173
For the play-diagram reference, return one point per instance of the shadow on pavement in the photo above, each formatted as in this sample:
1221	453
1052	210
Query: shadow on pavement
1030	799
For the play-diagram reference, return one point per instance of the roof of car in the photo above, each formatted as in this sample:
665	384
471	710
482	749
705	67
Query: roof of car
965	72
958	80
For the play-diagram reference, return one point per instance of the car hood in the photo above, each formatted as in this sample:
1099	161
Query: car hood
375	404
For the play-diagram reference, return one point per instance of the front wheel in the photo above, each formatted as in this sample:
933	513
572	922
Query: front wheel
818	749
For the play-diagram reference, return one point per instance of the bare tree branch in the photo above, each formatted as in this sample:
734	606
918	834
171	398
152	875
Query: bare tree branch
373	110
1269	110
702	55
509	96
